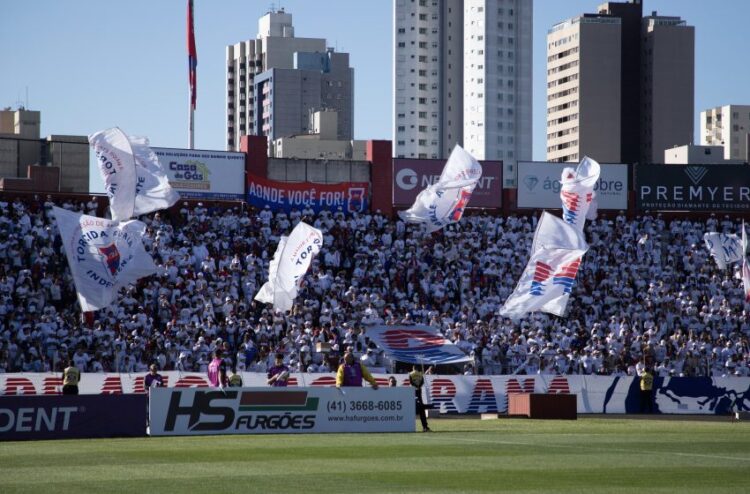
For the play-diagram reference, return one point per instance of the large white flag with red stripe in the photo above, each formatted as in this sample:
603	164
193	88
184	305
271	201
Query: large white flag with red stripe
289	265
577	192
550	274
103	255
444	202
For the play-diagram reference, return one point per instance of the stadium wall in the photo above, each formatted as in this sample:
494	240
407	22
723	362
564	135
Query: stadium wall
459	394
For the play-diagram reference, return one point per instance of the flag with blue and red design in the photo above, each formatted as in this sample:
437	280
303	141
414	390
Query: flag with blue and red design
577	192
416	345
444	201
111	258
192	56
556	255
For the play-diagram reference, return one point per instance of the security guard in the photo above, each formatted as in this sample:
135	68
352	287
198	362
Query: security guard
647	385
71	378
416	379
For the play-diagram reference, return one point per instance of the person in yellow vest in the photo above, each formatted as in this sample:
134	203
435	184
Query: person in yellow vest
235	380
71	378
647	386
416	379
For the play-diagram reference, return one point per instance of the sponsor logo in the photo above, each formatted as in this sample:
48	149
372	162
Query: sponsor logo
530	181
406	179
696	173
191	171
215	411
36	419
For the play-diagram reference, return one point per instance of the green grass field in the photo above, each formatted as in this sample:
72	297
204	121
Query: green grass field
589	455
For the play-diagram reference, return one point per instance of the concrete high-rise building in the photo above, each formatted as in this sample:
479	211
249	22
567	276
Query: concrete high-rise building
727	126
462	74
276	47
667	86
620	86
583	89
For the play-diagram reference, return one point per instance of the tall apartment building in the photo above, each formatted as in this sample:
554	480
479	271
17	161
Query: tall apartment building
727	126
462	74
620	86
300	72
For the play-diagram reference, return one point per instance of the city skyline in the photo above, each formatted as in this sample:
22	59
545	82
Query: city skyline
86	71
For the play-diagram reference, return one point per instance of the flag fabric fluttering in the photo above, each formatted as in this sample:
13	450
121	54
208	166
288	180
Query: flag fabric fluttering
290	263
577	192
134	179
724	248
103	256
192	57
444	202
550	274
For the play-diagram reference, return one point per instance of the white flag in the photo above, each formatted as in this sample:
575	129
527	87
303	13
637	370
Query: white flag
550	274
103	255
724	248
134	180
444	201
577	192
289	265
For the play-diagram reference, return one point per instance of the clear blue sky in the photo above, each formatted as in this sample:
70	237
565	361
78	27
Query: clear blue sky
91	64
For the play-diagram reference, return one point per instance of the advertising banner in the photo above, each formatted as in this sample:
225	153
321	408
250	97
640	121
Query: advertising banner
72	417
450	394
693	187
280	410
351	197
213	175
539	185
411	176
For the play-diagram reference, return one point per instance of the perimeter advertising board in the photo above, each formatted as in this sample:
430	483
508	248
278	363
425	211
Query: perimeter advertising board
72	417
212	175
693	187
411	176
539	185
280	410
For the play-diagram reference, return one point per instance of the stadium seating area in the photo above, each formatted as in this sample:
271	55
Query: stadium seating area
647	293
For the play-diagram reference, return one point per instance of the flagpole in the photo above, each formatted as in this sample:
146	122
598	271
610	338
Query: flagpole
191	125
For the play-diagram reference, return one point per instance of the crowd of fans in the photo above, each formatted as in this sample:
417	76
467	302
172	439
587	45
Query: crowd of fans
647	294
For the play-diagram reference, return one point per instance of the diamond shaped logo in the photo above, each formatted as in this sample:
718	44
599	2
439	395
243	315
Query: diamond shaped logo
530	181
696	173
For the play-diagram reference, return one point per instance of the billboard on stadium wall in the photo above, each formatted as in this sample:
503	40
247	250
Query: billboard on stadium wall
351	197
72	417
411	176
274	410
211	175
450	394
693	187
539	185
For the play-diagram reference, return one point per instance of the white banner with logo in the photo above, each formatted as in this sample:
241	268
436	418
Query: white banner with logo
264	410
290	263
213	175
103	256
539	185
452	394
